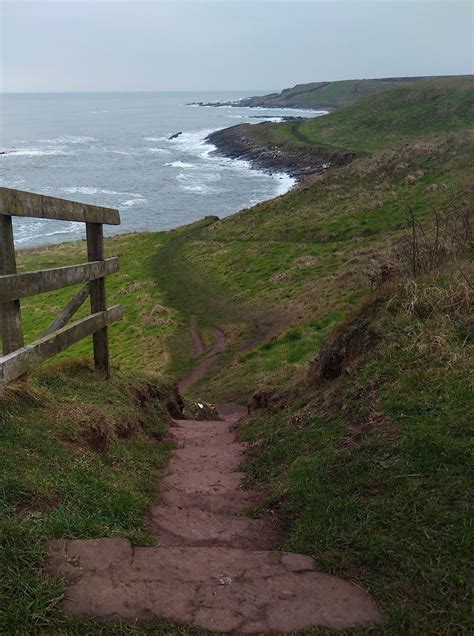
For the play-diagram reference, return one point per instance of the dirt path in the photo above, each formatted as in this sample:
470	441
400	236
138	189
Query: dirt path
198	342
214	567
220	343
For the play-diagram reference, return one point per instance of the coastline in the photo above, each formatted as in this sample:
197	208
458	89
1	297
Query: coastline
303	163
248	103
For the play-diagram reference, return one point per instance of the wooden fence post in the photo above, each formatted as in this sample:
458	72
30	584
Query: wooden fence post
10	312
95	252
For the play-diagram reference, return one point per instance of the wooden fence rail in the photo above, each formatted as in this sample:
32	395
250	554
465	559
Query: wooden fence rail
17	358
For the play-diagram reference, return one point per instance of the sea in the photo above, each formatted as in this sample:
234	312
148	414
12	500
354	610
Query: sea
114	150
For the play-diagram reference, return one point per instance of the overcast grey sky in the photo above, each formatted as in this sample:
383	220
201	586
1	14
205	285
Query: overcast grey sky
241	44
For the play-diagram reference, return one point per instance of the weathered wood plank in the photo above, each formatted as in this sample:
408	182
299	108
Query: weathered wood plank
10	312
28	284
69	310
20	203
17	363
95	252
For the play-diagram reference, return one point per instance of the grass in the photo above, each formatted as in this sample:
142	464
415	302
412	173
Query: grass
138	341
312	253
81	458
369	471
366	462
381	120
329	94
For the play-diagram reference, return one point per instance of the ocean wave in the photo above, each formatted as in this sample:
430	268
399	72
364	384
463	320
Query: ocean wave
284	183
159	150
80	190
198	178
155	138
33	152
69	139
89	190
131	202
181	164
198	188
194	142
27	230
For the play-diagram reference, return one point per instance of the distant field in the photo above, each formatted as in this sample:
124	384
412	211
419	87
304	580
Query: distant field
332	95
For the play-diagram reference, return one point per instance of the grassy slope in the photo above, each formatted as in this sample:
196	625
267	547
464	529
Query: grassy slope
382	120
328	94
369	472
307	257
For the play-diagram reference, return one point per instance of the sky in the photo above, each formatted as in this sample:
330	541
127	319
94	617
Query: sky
198	45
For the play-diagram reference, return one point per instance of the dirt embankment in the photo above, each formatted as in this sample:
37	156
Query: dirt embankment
299	161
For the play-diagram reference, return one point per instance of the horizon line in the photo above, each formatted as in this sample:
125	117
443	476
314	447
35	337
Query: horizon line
226	90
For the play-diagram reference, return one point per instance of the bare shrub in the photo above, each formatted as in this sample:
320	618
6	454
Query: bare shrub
448	237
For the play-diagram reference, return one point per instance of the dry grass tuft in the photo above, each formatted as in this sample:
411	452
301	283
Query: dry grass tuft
425	300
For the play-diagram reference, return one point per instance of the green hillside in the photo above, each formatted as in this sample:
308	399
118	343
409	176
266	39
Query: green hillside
332	95
346	304
382	120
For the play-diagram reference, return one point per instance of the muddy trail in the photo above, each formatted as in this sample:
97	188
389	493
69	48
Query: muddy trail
214	567
199	371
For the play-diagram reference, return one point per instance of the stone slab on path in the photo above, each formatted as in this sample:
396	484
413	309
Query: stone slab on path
177	526
221	589
214	566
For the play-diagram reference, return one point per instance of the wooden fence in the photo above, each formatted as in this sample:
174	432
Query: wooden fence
18	358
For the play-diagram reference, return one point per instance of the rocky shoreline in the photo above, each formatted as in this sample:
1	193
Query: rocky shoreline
253	102
303	163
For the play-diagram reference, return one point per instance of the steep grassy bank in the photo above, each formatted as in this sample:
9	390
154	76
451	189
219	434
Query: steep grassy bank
81	457
366	456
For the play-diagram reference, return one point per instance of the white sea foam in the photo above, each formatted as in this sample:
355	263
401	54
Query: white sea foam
80	190
68	139
194	142
181	164
34	152
26	230
163	151
119	152
155	138
126	199
139	200
198	188
284	183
